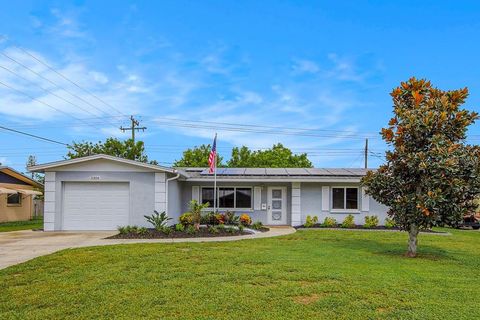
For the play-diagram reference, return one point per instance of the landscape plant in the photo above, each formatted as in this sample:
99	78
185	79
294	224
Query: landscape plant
186	219
348	222
245	220
329	222
389	223
431	176
158	220
191	230
196	211
310	221
370	222
179	227
213	229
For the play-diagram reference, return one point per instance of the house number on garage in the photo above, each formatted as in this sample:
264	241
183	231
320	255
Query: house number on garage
95	178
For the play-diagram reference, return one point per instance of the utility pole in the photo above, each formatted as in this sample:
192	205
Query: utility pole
135	126
366	153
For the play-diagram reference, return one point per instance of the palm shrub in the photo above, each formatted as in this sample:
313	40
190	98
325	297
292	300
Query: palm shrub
349	222
158	220
196	211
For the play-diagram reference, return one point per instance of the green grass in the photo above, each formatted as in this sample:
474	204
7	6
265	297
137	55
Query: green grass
21	225
312	274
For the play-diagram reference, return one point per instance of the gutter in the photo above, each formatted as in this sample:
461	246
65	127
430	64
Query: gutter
166	188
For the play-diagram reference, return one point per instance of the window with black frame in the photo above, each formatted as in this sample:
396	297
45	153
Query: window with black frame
228	197
344	198
14	199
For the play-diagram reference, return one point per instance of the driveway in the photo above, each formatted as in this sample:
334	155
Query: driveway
20	246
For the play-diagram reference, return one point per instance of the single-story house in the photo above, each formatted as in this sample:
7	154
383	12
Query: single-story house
16	195
102	192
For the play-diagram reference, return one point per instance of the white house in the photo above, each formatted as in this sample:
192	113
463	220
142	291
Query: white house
102	192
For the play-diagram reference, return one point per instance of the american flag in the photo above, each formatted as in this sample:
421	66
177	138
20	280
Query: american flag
213	155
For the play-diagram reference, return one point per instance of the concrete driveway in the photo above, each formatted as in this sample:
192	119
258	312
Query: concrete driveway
20	246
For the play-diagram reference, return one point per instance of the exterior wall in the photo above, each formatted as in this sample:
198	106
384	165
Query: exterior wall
142	193
15	212
256	215
174	200
316	200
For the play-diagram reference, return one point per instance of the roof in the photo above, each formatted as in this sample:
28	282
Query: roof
61	163
277	174
20	176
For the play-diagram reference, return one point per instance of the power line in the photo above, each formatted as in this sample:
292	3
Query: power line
72	82
44	103
34	136
53	83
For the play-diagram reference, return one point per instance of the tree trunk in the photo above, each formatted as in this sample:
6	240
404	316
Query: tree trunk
412	241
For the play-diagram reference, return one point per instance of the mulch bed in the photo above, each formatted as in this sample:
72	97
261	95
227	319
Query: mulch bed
361	227
202	233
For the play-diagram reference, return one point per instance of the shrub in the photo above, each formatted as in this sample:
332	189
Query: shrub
221	227
229	217
191	229
329	222
167	230
212	230
349	222
122	230
256	225
142	230
208	218
131	229
179	227
158	220
220	218
230	229
241	228
389	223
186	219
245	220
311	221
371	222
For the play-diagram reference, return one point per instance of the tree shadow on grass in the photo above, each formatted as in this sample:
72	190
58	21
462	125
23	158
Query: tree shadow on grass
392	249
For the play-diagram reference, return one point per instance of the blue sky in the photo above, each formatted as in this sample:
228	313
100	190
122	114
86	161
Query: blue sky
317	65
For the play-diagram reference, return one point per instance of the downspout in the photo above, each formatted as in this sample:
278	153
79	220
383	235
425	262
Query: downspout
166	189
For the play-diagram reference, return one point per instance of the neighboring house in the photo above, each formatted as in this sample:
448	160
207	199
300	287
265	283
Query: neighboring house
102	192
16	195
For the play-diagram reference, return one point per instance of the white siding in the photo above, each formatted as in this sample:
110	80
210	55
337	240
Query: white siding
49	202
296	204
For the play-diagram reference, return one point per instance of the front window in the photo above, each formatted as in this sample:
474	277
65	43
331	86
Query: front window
14	199
345	198
229	197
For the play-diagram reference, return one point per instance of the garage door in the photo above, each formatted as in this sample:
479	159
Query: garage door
95	206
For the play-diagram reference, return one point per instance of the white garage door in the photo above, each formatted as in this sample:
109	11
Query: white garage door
95	206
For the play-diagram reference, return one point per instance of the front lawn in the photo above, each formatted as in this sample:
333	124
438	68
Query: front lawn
21	225
312	274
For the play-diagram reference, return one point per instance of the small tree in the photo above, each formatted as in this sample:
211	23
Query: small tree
196	211
431	177
127	149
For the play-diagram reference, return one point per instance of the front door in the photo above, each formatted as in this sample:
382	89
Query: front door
277	205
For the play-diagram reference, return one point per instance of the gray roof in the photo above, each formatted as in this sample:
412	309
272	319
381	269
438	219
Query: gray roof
275	173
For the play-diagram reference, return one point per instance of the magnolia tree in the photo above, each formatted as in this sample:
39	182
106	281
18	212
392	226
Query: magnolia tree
431	176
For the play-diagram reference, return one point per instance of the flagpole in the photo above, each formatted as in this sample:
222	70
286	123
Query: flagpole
215	180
